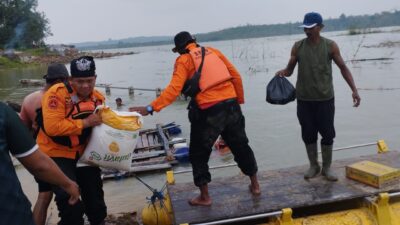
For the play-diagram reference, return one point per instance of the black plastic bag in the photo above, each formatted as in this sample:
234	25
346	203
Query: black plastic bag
280	91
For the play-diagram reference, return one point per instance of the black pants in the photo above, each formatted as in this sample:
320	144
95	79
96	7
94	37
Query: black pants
91	186
317	117
225	119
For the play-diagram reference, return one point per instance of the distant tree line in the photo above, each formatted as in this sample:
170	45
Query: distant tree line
21	26
342	23
254	31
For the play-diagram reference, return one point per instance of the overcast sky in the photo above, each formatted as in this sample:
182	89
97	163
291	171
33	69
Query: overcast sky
73	21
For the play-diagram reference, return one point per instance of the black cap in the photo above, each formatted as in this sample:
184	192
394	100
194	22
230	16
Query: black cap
55	71
83	67
181	40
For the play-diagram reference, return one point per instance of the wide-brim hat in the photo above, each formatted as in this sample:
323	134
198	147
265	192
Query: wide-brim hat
56	71
181	40
311	20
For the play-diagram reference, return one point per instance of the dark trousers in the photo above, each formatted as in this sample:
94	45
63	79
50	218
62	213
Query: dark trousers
317	117
91	186
225	119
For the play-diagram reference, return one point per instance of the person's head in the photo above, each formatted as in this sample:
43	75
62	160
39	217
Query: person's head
312	24
118	101
83	75
56	72
181	40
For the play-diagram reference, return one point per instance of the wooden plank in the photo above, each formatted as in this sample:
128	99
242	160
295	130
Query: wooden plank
161	166
139	143
145	141
283	188
161	146
148	155
152	161
150	139
164	140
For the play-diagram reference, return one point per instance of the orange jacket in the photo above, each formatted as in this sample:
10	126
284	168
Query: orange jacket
184	69
56	105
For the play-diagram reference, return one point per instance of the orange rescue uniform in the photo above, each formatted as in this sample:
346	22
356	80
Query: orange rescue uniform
185	68
56	106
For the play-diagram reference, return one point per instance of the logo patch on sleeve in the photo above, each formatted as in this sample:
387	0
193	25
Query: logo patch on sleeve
52	102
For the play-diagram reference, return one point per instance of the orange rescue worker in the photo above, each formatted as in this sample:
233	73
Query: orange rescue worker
214	111
56	73
68	118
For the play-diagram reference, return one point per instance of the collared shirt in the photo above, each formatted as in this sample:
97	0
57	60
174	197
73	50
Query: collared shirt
184	68
15	138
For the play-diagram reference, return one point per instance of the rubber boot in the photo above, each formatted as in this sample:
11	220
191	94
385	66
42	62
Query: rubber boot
326	163
312	153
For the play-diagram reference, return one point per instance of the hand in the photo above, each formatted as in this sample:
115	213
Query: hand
140	109
356	99
282	73
73	190
92	120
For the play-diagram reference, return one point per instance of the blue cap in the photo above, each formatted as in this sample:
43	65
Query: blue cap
311	20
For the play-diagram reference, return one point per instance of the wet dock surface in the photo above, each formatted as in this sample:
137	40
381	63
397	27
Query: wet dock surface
283	188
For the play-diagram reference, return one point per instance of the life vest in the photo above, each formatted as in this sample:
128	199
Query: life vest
214	70
76	110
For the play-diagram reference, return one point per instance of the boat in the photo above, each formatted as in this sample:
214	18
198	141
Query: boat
287	198
156	149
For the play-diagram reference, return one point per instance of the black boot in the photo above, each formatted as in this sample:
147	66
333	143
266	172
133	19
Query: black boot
312	153
326	163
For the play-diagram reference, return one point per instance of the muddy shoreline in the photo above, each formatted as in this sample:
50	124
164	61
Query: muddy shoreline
19	59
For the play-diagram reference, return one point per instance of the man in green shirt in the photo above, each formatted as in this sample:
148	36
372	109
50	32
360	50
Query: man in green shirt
17	140
314	92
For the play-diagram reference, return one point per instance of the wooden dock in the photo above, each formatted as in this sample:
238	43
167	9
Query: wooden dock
283	188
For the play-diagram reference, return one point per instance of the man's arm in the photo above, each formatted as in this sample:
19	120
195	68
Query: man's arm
170	93
41	166
337	58
291	65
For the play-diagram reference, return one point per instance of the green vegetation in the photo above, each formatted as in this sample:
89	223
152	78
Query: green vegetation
355	25
40	51
355	31
21	26
8	63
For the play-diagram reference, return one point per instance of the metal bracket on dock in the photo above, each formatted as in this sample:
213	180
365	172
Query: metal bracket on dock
285	218
382	147
382	211
170	177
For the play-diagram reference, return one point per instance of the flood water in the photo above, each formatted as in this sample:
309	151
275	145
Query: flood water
273	131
